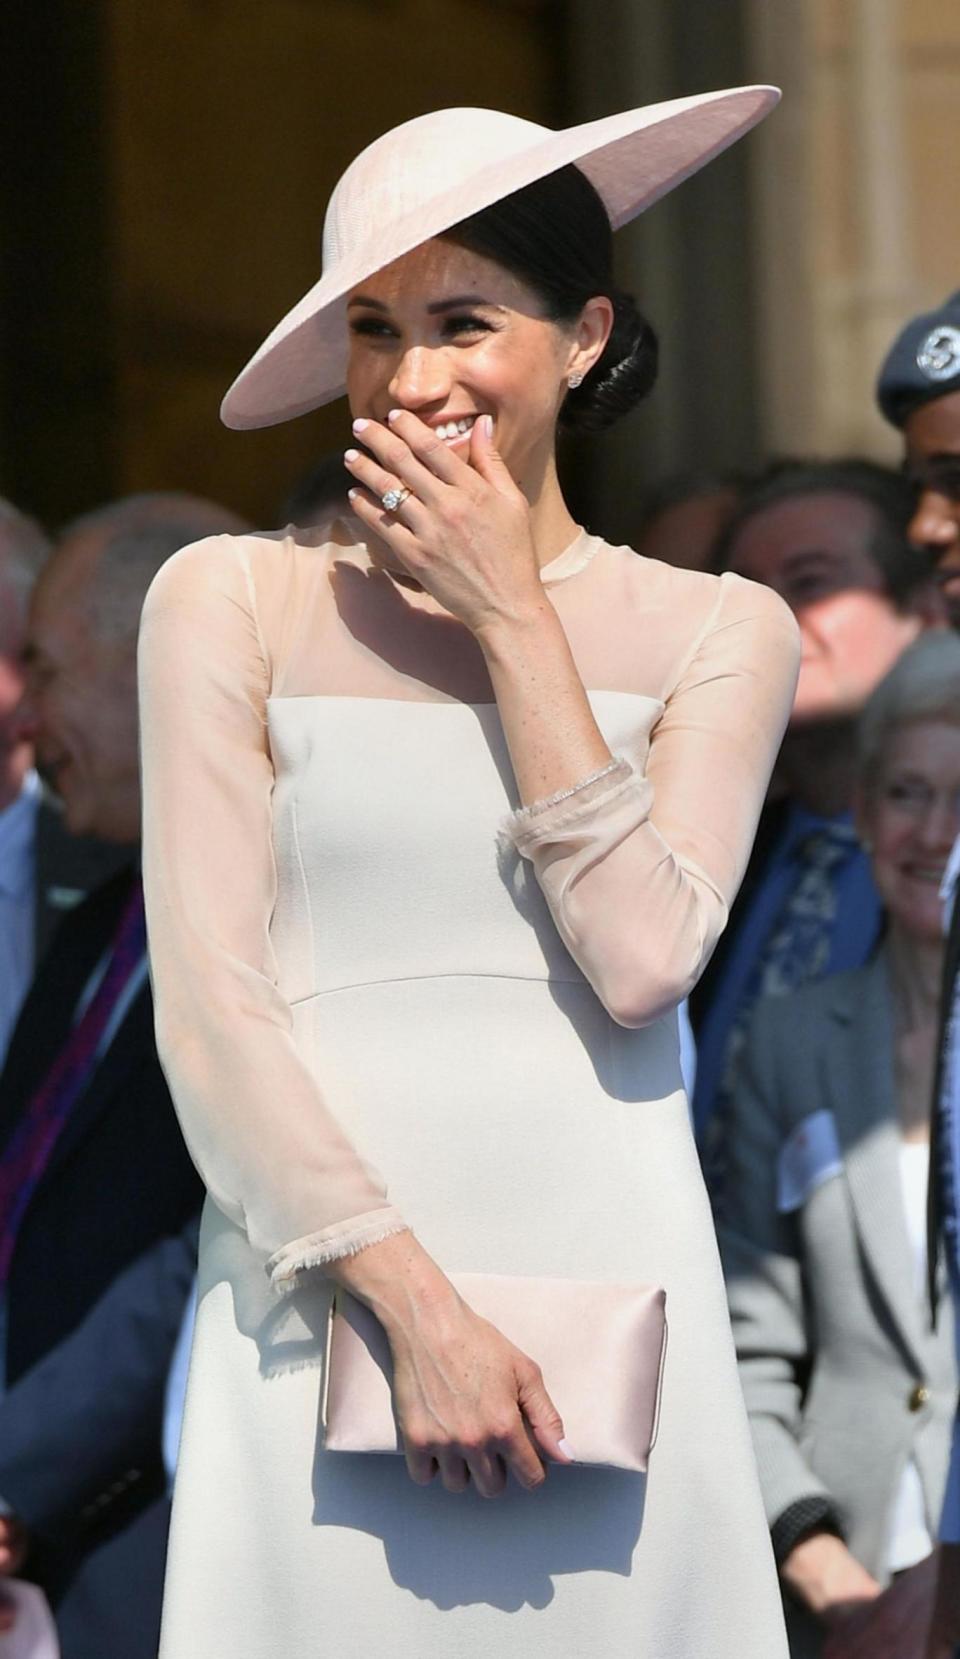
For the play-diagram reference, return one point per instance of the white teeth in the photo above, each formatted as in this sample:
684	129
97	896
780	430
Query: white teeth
455	429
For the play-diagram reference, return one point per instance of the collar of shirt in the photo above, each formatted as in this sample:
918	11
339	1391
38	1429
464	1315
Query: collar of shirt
18	824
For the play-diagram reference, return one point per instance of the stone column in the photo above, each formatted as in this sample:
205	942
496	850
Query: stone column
687	260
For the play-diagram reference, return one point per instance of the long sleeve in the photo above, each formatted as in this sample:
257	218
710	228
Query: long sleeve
764	1279
640	869
269	1148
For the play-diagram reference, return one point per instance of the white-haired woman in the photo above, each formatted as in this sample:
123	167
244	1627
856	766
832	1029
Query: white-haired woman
354	973
823	1229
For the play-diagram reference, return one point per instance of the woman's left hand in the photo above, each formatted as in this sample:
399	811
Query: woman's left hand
463	532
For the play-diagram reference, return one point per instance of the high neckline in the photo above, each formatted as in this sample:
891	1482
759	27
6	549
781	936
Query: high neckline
574	558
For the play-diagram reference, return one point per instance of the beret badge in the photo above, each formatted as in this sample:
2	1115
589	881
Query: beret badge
938	354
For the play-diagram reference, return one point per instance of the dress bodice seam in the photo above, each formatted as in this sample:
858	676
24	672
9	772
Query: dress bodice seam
546	980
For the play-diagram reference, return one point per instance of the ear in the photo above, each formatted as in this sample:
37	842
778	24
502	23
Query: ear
590	335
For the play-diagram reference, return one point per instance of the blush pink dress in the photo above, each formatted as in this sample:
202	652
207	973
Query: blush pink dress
384	999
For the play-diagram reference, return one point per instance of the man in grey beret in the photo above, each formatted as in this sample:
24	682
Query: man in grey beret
918	391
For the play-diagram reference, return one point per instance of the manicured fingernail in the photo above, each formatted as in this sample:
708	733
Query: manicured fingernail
360	425
394	414
351	494
565	1445
351	454
486	427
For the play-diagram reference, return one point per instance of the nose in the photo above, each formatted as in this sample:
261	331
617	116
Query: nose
936	522
421	377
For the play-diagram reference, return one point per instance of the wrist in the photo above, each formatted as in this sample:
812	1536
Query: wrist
398	1281
806	1570
821	1573
530	622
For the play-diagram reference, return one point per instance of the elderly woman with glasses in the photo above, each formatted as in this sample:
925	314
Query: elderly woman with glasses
823	1214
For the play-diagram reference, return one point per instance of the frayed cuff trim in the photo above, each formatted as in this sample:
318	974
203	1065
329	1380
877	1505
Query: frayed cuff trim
607	775
286	1269
526	833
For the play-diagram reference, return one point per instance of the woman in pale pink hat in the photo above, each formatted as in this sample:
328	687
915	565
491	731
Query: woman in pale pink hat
446	801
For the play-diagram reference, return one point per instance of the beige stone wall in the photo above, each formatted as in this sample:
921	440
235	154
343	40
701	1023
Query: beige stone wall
857	189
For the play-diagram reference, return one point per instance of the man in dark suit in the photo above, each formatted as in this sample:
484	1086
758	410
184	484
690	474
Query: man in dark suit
23	550
831	538
93	1170
43	871
918	391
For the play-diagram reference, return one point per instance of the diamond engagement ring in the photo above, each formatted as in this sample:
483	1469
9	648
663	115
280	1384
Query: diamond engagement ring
394	499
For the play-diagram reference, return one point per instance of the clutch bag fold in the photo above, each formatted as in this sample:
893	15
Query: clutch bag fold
601	1348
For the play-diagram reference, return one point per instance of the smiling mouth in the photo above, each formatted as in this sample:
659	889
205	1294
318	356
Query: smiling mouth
925	873
452	431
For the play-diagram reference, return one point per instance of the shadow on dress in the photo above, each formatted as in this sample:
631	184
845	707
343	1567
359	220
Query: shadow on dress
461	1550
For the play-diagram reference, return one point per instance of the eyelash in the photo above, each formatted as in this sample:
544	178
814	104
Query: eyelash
373	328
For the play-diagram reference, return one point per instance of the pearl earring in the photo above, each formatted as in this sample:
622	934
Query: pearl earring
574	381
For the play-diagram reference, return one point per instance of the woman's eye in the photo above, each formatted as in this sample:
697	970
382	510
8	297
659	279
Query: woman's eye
371	326
466	325
908	794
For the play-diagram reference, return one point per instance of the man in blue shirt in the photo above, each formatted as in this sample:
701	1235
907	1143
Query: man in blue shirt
831	538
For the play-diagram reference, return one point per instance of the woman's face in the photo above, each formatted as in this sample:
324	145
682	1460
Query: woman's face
450	336
911	819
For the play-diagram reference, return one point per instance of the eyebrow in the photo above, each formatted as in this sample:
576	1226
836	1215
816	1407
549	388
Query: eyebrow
433	310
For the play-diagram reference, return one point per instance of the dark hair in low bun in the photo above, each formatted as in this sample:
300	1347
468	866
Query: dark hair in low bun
555	236
621	377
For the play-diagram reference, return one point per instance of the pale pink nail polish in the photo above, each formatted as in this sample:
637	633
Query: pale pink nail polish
360	425
351	454
394	414
567	1450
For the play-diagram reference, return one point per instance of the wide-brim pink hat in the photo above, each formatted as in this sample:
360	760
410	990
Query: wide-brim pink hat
425	176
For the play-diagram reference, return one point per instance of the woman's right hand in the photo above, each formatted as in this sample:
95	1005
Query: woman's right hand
464	1395
822	1574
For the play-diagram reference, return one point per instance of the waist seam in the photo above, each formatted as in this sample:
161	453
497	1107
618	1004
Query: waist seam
422	979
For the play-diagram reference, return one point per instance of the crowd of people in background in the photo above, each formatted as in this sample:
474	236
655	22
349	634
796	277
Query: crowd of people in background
814	1048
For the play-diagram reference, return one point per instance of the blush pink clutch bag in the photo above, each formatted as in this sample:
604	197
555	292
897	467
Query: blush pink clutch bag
600	1347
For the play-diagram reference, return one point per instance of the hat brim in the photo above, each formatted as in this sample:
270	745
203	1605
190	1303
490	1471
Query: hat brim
631	159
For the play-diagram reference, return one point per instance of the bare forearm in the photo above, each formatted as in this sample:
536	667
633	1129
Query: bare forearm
553	738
